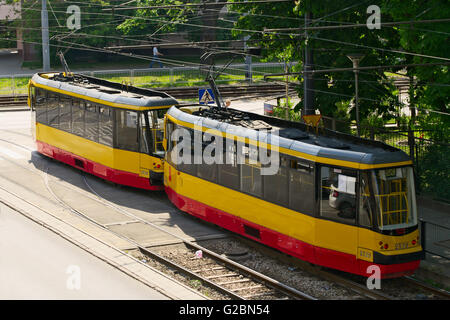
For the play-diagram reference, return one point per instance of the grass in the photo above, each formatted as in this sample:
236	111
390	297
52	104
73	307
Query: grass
159	78
9	86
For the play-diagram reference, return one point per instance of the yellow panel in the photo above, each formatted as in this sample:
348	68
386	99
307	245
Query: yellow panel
336	236
280	219
396	244
113	158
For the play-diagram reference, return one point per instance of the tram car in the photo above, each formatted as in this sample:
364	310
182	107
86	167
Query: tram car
111	130
330	199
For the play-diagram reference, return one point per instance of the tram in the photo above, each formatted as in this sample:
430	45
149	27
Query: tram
111	130
329	198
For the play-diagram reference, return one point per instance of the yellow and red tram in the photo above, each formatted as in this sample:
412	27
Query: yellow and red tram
110	130
333	200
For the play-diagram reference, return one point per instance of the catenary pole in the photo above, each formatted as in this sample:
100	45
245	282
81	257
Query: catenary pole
45	38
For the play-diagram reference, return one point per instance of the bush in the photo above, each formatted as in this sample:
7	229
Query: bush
434	171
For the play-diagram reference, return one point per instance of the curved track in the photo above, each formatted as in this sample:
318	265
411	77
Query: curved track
265	285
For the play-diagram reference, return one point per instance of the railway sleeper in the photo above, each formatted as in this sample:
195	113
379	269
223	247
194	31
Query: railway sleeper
209	269
223	276
259	295
234	281
249	288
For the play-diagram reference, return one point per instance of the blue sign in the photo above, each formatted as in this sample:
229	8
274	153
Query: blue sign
205	96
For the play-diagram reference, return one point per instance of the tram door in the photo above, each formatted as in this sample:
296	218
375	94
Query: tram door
145	162
336	229
32	105
170	176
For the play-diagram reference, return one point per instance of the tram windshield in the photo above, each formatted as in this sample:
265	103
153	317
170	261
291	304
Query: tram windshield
395	198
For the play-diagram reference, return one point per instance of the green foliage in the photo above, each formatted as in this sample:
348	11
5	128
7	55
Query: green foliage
8	36
434	171
280	112
154	20
431	90
331	89
98	29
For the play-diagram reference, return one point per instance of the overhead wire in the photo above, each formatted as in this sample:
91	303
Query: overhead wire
396	51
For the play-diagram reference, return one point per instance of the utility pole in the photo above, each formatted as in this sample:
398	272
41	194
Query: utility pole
45	37
356	58
286	70
308	95
248	62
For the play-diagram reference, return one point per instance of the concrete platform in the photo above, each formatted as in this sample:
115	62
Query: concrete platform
102	250
38	264
435	268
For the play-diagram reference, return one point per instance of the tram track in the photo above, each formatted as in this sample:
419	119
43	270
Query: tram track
423	286
220	272
265	286
231	269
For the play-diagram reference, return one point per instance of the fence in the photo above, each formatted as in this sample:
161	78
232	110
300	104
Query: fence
435	239
159	77
429	152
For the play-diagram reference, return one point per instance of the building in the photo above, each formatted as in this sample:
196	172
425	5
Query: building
9	13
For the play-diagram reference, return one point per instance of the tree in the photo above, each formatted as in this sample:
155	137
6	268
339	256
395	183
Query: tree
197	22
432	89
333	90
98	27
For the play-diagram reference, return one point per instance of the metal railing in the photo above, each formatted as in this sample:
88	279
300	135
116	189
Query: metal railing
435	239
13	85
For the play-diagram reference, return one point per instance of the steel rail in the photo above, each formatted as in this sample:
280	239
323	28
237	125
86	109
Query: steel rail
416	283
142	249
289	291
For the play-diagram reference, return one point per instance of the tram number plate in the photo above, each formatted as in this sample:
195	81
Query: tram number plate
365	254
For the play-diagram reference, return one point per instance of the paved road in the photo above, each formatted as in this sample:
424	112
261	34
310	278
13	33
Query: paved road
10	63
35	263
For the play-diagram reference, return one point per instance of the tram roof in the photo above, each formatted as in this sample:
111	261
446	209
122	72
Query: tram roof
328	146
104	92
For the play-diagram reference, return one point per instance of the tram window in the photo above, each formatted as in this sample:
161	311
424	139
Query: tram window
229	170
276	186
53	109
251	179
126	133
145	137
186	152
41	106
65	113
209	164
338	194
78	117
156	122
301	186
170	127
365	208
91	122
105	126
